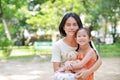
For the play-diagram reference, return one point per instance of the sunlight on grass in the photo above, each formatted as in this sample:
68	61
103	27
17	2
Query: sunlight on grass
29	51
24	51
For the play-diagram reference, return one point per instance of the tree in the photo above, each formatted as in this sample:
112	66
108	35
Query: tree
4	22
110	10
51	12
8	10
106	10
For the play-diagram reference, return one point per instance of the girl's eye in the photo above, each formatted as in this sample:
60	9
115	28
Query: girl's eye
81	36
84	35
78	36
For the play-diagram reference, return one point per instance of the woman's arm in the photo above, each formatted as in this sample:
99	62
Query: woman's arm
56	66
98	62
56	57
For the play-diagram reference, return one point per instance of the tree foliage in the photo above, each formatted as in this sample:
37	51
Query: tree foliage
46	14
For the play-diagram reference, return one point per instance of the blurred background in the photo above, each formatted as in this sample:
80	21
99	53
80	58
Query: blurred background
30	27
24	22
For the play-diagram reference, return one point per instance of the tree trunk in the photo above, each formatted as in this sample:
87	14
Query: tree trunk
114	33
4	22
6	29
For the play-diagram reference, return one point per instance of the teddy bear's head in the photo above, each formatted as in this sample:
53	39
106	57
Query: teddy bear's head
72	55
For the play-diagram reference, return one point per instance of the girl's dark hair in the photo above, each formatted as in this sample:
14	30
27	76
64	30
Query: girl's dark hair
66	16
86	29
89	34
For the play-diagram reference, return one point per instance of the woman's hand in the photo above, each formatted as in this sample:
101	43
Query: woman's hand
82	74
68	65
62	69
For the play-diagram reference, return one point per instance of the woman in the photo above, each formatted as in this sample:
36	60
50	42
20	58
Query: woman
69	25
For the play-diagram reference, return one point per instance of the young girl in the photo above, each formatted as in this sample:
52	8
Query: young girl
87	55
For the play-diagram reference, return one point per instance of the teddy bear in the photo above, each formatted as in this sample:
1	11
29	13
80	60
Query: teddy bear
71	59
71	56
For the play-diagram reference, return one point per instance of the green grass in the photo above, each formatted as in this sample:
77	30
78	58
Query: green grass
24	51
28	51
110	50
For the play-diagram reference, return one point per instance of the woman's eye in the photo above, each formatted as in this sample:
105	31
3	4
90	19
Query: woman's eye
75	24
68	24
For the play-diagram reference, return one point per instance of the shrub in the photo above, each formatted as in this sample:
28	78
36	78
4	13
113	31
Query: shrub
6	46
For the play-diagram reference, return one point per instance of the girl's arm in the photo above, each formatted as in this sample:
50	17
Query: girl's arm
83	74
87	57
95	66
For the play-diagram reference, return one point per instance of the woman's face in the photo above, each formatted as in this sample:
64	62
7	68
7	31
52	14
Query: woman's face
71	26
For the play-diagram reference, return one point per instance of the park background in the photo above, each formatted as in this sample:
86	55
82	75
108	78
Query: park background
28	29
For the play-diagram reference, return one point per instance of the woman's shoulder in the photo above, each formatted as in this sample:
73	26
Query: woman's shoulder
59	45
60	41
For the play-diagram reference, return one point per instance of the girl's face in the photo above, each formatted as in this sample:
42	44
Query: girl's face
71	26
83	37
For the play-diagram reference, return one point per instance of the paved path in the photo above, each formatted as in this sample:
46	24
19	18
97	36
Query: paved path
33	69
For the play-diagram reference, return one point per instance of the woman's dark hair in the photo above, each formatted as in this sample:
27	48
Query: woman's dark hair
66	16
